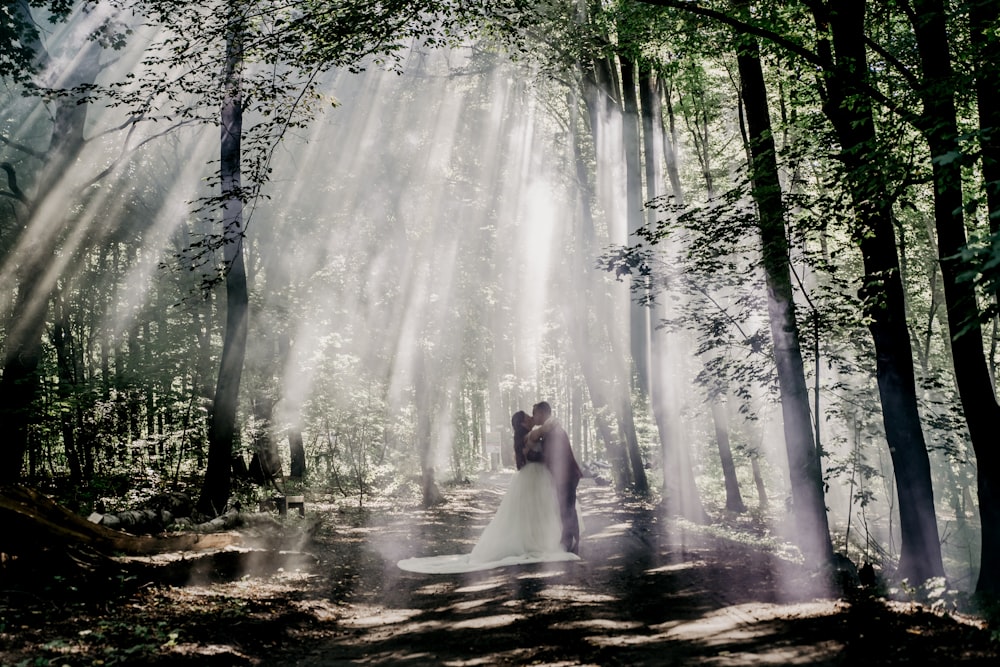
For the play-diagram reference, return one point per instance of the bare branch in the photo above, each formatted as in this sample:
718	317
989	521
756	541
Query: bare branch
902	69
22	148
126	151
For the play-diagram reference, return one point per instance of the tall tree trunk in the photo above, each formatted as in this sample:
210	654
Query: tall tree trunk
984	17
638	312
669	136
600	95
293	410
426	407
680	493
803	458
640	484
607	119
975	387
734	501
884	301
222	426
758	479
62	341
265	464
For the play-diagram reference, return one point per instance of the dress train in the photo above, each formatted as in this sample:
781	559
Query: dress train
525	529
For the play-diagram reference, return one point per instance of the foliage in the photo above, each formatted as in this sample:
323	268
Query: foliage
18	33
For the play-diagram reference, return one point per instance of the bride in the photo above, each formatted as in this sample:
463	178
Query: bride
526	527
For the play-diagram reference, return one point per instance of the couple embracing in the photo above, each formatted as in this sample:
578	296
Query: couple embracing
539	438
537	520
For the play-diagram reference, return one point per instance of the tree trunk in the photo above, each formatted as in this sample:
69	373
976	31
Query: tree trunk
758	479
680	493
26	512
803	458
297	452
62	341
616	452
975	387
265	465
222	426
669	136
638	312
882	291
640	484
734	501
984	16
426	408
293	410
600	95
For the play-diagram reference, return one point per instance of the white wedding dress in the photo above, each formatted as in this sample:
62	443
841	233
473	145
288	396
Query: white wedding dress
525	529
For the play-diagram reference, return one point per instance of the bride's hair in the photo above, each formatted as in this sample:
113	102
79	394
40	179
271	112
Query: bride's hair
517	422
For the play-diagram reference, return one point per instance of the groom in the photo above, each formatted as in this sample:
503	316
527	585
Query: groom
557	455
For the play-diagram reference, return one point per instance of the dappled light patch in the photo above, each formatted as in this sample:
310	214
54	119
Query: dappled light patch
543	574
636	598
576	594
215	653
467	605
479	588
368	616
610	531
673	567
604	625
434	589
322	610
488	622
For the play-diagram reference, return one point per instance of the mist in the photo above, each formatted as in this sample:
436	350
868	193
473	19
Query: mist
418	263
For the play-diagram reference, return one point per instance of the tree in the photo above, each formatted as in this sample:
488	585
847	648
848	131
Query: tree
803	457
847	106
939	125
215	492
850	113
734	501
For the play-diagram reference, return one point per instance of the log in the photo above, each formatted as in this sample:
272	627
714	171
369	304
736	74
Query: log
36	523
45	543
135	521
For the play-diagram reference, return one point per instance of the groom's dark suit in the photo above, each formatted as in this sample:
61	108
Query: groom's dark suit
557	455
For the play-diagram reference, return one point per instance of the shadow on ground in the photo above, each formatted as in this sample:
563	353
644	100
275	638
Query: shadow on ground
647	592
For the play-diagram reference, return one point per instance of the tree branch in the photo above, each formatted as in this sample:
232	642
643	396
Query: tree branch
15	191
693	7
819	61
894	61
22	148
128	151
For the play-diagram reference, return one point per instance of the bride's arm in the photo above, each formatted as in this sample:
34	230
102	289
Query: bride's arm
540	432
532	441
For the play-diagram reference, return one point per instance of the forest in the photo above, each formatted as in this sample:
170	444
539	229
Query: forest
275	276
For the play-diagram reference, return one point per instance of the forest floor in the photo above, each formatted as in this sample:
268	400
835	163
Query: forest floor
647	591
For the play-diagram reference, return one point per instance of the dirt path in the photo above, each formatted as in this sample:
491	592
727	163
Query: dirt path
647	592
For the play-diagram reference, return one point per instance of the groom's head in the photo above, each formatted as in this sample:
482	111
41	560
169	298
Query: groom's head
540	412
